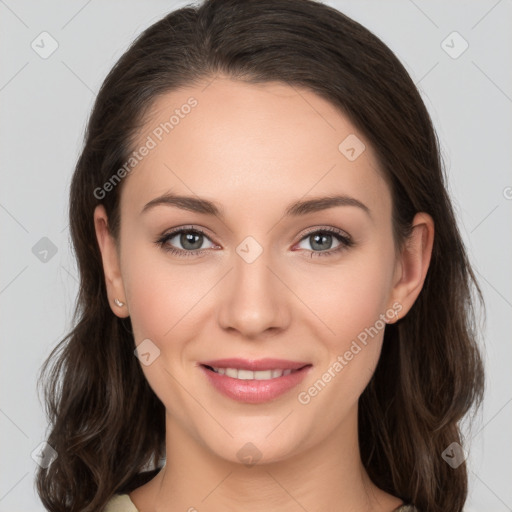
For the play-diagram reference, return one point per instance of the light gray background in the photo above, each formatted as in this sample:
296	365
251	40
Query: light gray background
44	107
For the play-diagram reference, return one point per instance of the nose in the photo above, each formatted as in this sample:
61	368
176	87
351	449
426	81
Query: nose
253	299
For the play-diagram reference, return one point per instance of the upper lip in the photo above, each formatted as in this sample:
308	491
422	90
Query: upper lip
255	365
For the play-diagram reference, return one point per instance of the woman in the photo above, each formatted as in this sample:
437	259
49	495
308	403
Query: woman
275	302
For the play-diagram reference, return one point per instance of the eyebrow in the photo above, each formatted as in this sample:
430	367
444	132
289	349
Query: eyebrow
298	208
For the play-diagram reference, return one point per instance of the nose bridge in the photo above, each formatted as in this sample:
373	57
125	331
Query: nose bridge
254	299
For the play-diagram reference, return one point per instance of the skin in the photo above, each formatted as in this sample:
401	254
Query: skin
254	149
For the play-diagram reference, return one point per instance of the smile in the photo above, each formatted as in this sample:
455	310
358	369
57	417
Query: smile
242	374
253	386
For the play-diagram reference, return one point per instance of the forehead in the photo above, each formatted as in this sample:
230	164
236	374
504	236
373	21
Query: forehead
251	146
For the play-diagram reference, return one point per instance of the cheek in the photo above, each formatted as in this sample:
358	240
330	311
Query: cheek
352	304
351	298
161	298
161	294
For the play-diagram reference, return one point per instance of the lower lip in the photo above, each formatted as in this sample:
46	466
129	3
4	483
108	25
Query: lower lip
254	391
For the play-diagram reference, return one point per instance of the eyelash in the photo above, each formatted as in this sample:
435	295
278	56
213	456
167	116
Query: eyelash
345	241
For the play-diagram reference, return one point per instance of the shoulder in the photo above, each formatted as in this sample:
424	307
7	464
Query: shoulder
406	508
120	503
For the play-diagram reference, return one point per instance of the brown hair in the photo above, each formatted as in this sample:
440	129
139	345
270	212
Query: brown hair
107	425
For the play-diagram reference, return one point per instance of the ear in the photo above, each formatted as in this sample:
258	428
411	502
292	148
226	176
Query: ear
413	263
111	265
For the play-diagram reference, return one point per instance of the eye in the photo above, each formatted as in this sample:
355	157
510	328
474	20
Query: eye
321	239
191	239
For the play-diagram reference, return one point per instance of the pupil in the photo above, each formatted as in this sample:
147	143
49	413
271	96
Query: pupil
323	237
189	238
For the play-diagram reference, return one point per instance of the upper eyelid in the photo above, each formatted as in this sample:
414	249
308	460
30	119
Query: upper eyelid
314	229
329	229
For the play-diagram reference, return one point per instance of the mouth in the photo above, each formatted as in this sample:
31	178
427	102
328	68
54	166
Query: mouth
254	382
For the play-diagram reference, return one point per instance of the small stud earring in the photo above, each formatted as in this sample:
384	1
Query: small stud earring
118	303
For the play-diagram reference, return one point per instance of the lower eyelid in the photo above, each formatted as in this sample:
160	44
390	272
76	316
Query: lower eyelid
344	241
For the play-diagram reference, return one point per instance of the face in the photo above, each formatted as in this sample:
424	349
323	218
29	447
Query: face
254	280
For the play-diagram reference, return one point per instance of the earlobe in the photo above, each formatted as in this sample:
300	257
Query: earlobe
414	262
111	265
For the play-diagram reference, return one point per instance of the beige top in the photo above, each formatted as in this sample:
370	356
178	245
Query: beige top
123	503
120	503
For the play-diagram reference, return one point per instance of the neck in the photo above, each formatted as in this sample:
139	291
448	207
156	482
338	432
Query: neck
325	476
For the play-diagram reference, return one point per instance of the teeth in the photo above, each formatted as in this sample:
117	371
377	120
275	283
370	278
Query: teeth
248	374
231	372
